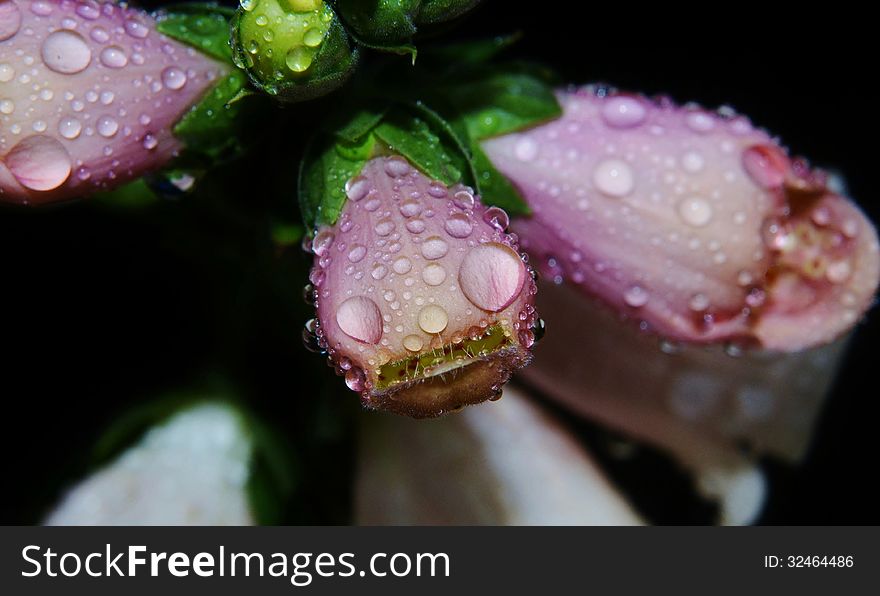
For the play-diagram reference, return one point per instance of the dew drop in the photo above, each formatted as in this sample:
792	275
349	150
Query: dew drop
434	274
173	78
357	253
525	149
379	271
695	211
413	343
357	188
88	9
491	276
692	162
7	73
463	200
437	189
65	52
415	226
7	106
322	242
698	302
313	37
39	163
136	29
69	128
355	379
434	247
107	126
396	167
433	319
113	57
838	271
699	121
623	112
459	225
150	142
384	227
10	20
497	218
410	208
372	204
635	296
360	319
402	265
99	34
614	178
299	59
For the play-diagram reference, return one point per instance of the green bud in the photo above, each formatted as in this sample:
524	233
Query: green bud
392	24
294	49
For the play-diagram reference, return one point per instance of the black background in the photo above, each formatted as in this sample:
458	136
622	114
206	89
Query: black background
103	308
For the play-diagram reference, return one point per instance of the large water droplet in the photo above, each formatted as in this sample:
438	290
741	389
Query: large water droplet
88	9
66	52
433	319
355	379
695	211
113	57
173	78
360	319
136	29
357	188
623	112
415	226
463	200
635	296
497	218
10	19
614	178
437	189
413	343
434	274
434	247
322	242
39	163
491	276
379	271
459	225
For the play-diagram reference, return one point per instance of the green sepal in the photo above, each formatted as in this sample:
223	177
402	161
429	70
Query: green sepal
322	176
203	26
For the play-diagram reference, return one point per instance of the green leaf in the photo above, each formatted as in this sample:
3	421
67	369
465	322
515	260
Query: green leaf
426	140
209	126
323	173
467	53
202	26
357	122
496	102
494	188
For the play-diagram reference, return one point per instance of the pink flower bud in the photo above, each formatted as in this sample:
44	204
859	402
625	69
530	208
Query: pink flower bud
696	224
89	93
423	301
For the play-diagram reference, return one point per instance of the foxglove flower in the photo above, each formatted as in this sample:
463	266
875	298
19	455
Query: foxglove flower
698	225
423	301
511	464
89	95
702	229
193	469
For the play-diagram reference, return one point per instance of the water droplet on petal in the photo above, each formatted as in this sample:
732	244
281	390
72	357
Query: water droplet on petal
410	208
357	253
66	52
413	343
838	271
173	78
699	121
402	265
113	57
99	34
434	274
695	211
360	319
614	178
10	20
7	106
107	126
150	141
459	225
396	167
433	319
623	112
69	128
7	73
491	276
434	247
525	149
497	218
415	226
698	302
355	379
39	163
463	200
437	189
88	9
384	227
635	296
322	242
136	29
357	188
692	162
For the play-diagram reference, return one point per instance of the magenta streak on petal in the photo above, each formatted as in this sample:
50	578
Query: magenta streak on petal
696	224
94	86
